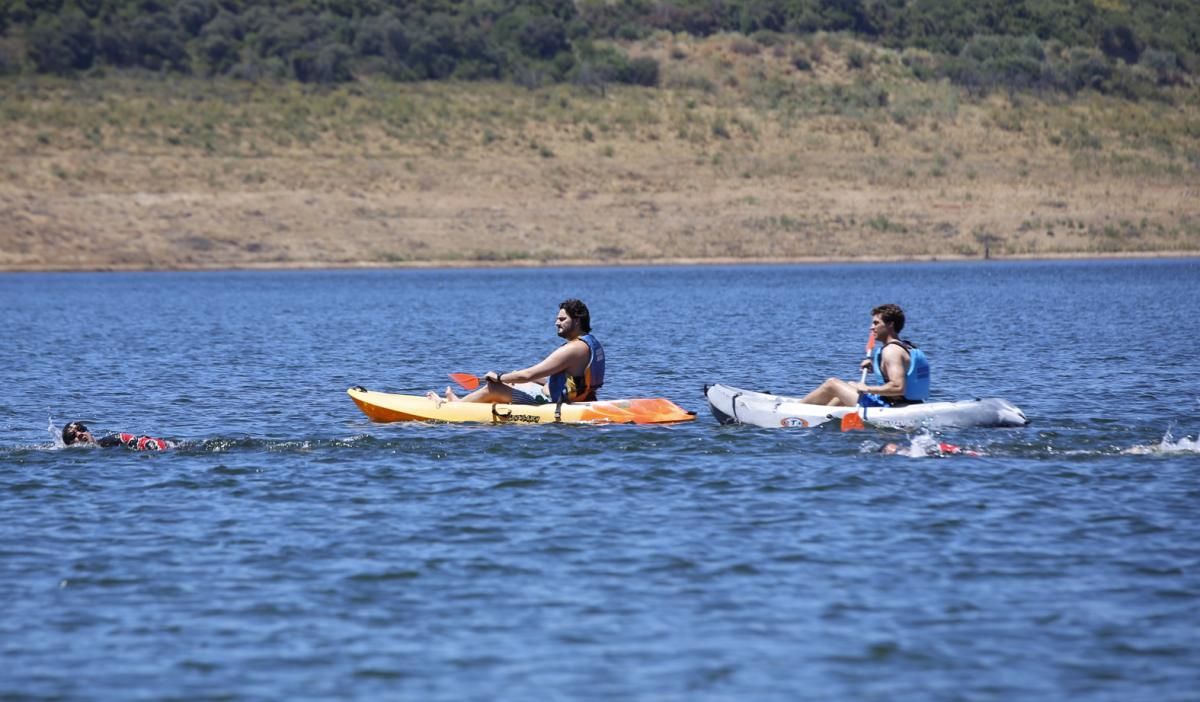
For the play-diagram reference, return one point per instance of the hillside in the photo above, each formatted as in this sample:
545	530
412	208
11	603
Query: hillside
794	149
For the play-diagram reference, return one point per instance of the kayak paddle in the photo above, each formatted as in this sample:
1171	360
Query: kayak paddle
466	380
854	419
870	347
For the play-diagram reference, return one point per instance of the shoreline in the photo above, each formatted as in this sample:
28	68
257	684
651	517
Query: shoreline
142	180
598	263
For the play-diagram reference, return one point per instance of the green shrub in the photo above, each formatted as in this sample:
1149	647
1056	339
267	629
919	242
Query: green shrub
193	15
641	71
1163	65
1086	69
10	56
156	44
988	62
543	37
62	44
921	63
325	65
1120	42
219	54
607	65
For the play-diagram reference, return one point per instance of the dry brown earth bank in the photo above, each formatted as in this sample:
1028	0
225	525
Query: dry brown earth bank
739	156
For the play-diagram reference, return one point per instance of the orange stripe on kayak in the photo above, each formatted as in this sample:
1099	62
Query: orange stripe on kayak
639	411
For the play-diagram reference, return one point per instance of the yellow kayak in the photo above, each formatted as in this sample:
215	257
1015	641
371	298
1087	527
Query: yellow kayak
388	407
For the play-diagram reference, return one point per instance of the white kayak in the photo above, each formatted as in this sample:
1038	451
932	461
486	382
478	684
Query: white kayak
732	405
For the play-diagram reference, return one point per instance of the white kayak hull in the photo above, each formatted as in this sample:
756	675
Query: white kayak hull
732	405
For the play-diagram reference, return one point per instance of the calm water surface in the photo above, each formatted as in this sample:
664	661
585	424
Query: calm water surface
291	549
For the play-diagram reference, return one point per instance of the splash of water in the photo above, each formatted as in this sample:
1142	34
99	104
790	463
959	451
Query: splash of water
922	445
1167	445
55	433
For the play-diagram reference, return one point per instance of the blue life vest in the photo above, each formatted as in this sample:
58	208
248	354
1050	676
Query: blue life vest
580	388
916	379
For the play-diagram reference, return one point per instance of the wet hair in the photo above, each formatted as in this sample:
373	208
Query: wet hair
891	314
72	431
575	309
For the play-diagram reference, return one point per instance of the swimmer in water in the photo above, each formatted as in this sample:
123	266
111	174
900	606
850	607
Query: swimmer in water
941	448
78	433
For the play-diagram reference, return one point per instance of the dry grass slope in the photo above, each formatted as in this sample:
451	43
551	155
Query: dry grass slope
809	150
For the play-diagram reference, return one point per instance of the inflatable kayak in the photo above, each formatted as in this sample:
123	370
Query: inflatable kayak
388	407
732	405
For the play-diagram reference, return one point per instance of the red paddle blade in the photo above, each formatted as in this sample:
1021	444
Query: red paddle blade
870	341
852	421
466	380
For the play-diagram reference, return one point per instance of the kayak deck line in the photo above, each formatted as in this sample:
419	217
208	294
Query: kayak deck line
391	407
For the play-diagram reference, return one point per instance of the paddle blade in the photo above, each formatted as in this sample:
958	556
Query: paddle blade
852	421
466	380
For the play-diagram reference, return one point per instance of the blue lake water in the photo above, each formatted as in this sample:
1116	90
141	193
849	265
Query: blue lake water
291	549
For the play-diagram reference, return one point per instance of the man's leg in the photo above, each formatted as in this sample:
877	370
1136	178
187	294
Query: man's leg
833	392
490	392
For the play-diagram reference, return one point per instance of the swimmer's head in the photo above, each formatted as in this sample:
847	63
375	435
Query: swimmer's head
77	433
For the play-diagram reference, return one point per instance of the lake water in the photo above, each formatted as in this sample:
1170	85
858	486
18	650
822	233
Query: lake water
291	549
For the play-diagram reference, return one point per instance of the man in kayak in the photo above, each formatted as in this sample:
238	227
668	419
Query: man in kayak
901	369
78	433
571	373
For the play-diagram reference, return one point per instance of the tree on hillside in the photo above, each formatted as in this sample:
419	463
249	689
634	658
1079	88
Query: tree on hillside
62	43
533	41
